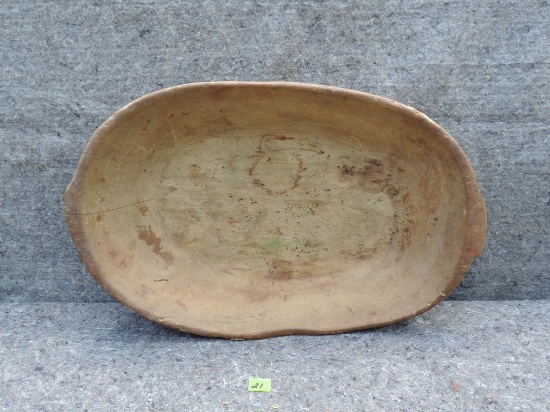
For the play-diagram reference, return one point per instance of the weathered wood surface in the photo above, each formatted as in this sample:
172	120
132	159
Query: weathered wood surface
258	209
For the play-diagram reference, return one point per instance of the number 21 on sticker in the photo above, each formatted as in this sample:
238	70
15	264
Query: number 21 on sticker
259	385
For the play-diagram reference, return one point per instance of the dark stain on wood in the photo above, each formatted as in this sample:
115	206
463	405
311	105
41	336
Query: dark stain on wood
391	190
233	222
260	184
301	168
150	239
371	167
282	269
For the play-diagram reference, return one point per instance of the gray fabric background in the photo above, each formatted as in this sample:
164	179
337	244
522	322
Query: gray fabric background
479	69
98	357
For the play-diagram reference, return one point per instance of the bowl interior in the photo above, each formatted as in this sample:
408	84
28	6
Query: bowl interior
253	210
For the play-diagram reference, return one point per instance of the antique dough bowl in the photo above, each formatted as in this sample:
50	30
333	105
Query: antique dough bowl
248	210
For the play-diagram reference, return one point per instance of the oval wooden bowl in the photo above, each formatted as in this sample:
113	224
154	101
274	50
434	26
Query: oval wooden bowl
248	210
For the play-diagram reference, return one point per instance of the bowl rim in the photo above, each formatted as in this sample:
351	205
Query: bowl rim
476	212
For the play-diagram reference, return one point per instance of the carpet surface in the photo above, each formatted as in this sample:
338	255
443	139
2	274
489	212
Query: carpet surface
460	356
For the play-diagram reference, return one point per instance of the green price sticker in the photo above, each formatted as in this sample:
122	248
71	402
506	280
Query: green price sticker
259	385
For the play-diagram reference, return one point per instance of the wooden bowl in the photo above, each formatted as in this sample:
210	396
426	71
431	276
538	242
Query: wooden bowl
248	210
